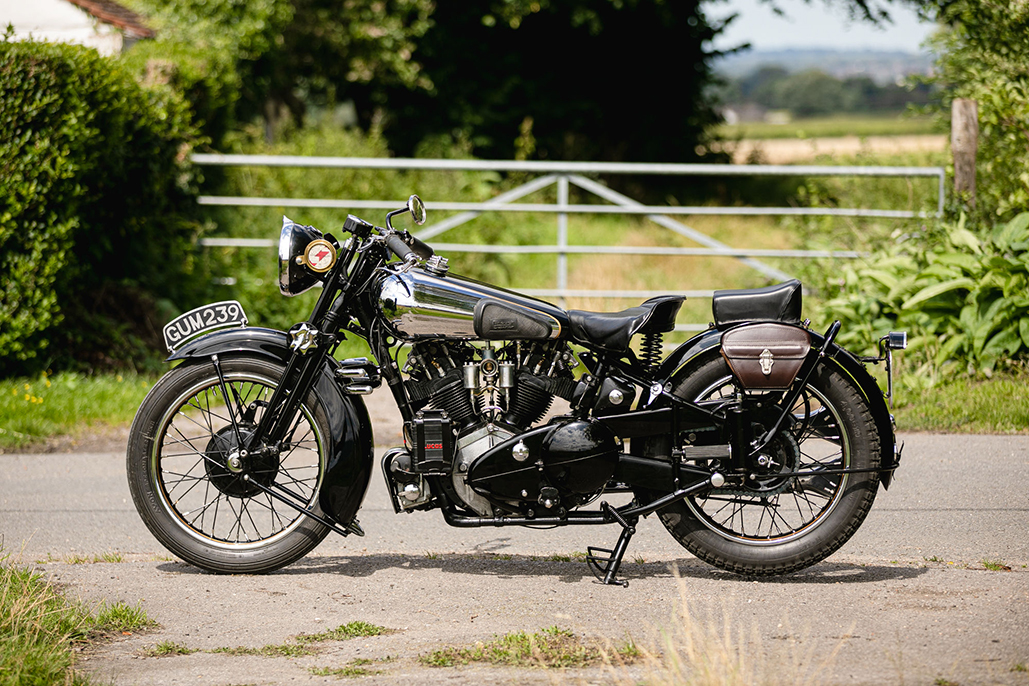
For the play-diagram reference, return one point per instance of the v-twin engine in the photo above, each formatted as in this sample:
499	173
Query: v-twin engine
510	386
471	434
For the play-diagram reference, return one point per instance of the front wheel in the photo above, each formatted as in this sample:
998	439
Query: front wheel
202	498
768	525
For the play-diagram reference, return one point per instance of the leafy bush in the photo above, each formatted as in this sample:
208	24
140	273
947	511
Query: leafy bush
963	297
983	54
206	51
238	60
95	191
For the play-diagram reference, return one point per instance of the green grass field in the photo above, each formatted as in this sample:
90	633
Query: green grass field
33	409
835	126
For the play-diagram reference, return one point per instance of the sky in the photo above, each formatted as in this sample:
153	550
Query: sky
815	25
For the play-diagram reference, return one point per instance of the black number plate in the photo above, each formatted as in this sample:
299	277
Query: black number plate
201	320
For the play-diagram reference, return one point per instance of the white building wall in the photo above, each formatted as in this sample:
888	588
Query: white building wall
58	21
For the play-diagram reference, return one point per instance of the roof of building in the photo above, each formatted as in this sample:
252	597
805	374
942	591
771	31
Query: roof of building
117	15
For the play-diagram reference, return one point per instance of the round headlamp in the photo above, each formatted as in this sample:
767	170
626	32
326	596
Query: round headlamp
304	256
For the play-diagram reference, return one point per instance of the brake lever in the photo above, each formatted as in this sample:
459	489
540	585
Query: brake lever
370	241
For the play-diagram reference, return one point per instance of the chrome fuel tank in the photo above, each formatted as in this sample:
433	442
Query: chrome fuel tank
417	304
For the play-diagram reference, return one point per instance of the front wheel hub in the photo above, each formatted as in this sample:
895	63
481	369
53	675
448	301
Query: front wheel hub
227	464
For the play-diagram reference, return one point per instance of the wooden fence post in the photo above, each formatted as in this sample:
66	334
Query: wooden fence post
964	141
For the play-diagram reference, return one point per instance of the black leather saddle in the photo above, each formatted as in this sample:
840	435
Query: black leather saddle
612	330
779	303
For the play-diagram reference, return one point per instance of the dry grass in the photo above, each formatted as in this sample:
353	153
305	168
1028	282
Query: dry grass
708	649
550	648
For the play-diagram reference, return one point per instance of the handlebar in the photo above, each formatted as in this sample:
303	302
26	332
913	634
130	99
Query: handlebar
410	249
421	248
399	248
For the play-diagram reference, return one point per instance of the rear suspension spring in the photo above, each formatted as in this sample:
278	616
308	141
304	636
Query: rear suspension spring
650	349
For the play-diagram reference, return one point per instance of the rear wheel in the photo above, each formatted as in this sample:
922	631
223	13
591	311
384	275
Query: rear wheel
199	495
773	525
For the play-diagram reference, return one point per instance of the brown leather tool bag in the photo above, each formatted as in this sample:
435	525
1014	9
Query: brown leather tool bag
766	356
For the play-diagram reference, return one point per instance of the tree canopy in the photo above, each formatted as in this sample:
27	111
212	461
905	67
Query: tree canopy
607	79
984	55
571	79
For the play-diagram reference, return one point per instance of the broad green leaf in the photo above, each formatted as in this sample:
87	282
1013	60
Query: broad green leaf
938	289
948	349
1016	230
884	277
993	315
1003	263
941	272
968	317
994	280
1007	341
1023	329
992	308
962	260
963	238
903	288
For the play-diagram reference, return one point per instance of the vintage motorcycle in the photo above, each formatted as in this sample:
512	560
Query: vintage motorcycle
759	443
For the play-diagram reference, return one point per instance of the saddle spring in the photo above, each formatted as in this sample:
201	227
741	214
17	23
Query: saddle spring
650	349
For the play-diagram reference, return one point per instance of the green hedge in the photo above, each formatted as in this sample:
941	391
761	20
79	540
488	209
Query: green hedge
96	195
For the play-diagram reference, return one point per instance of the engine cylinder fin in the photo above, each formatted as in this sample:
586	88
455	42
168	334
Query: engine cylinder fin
530	400
453	398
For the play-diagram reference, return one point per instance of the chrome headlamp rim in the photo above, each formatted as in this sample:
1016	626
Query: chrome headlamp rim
295	277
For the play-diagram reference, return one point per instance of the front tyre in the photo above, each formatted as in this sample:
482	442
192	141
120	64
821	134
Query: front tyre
198	495
770	525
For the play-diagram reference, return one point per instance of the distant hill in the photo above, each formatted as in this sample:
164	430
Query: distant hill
882	66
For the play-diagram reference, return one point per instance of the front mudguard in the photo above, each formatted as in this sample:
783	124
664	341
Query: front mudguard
709	342
348	467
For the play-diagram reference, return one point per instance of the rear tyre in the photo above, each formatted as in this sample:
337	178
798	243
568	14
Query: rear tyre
773	525
192	495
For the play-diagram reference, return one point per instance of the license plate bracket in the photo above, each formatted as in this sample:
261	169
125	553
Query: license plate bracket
201	320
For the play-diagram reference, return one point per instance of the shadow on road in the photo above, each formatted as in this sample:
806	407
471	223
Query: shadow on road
570	569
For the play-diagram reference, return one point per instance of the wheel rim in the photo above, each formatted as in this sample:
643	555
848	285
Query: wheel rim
188	465
773	511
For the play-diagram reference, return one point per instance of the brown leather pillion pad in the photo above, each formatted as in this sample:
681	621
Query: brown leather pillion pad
766	356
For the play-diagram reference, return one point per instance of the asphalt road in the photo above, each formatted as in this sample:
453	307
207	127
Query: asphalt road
907	600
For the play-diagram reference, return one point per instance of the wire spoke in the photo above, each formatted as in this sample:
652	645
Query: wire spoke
198	487
765	508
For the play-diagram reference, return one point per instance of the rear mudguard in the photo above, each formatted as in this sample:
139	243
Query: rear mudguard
348	468
709	342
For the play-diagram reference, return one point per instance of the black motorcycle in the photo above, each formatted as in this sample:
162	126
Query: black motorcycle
759	443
